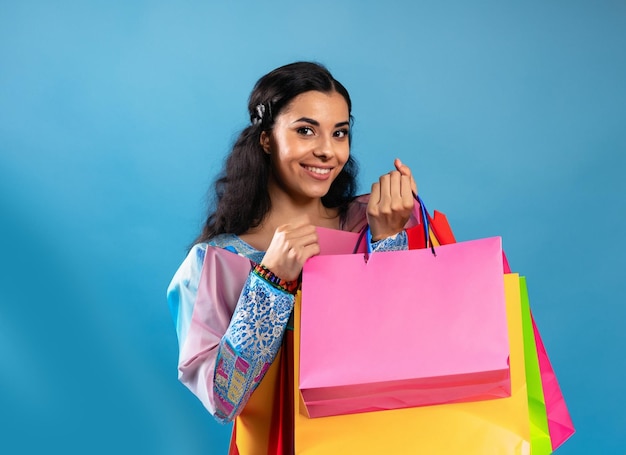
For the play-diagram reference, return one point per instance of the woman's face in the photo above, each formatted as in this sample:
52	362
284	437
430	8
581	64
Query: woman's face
308	144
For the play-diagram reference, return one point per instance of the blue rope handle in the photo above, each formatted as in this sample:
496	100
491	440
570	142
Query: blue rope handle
426	223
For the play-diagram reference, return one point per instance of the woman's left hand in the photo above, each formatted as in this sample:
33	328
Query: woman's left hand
391	202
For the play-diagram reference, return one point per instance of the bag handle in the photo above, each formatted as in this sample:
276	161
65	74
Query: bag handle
425	223
362	234
366	233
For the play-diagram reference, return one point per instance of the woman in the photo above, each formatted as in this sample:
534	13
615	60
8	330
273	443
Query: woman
289	171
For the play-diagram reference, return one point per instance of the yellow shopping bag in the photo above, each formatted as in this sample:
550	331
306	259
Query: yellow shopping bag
485	427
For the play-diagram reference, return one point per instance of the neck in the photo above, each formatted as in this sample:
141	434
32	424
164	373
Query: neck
285	209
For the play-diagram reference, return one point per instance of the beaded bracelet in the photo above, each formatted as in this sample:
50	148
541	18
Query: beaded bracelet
265	273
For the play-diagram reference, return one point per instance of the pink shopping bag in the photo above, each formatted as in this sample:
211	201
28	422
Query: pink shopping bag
404	329
559	421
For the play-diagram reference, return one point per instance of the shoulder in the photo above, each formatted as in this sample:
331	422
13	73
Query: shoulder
232	243
191	268
189	271
205	262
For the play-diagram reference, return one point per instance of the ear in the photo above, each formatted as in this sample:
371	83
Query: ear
265	142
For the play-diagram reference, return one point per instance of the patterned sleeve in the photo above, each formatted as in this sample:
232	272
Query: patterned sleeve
250	344
230	324
394	243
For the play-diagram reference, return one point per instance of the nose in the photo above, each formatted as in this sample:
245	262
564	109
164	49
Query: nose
325	149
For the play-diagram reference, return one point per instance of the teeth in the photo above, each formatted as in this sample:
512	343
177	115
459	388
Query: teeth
317	170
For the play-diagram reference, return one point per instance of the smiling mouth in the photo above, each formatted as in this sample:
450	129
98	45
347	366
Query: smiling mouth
317	170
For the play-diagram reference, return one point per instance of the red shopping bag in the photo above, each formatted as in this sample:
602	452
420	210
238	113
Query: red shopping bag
439	229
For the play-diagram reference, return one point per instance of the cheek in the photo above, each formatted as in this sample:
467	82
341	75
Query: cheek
342	162
344	155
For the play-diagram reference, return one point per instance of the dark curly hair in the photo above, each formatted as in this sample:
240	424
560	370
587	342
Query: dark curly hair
241	197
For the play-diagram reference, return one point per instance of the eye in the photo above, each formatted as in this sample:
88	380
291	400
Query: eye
342	133
305	131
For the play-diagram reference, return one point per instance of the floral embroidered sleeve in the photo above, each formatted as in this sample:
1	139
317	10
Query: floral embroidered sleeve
394	243
250	344
230	324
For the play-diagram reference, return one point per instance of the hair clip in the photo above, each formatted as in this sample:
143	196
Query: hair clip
260	112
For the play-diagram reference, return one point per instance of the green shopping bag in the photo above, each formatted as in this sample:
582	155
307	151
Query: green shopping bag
539	431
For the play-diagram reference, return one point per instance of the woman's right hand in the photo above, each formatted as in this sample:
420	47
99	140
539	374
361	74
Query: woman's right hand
291	245
391	202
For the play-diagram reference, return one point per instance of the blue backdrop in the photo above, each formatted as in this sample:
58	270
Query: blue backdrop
115	117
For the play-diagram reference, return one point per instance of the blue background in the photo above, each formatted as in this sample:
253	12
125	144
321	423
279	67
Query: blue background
115	117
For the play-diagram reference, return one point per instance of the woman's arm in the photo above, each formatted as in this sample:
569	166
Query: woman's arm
249	345
230	324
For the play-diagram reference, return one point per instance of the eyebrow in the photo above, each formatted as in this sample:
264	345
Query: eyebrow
316	123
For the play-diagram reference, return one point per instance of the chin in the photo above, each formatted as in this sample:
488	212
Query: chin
318	194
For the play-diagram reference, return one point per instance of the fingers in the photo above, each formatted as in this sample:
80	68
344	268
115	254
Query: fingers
391	201
298	237
395	190
291	245
401	167
392	192
405	171
375	193
406	191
